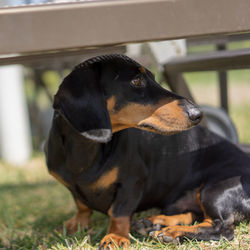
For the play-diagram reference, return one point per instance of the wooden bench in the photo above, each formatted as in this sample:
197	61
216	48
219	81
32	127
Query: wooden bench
68	27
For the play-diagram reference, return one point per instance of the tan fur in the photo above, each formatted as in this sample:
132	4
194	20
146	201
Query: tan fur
118	233
110	211
106	180
165	116
120	225
142	70
177	231
168	117
116	126
173	220
111	241
111	104
198	197
130	115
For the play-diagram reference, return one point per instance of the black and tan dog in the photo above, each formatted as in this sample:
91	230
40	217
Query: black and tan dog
101	147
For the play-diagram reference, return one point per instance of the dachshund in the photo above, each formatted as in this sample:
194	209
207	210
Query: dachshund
121	144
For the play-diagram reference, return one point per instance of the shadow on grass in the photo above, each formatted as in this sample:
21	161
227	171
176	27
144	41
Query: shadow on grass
32	213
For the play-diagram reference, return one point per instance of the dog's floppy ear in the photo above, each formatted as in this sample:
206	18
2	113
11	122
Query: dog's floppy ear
81	101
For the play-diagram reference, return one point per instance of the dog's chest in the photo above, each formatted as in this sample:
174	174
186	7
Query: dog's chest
99	198
98	191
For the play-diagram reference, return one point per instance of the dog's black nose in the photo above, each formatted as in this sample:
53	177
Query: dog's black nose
194	115
193	111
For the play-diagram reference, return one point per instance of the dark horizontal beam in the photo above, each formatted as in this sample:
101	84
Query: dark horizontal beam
55	58
218	60
219	39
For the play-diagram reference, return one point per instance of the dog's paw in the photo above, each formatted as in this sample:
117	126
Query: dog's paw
167	234
144	226
71	226
153	223
112	241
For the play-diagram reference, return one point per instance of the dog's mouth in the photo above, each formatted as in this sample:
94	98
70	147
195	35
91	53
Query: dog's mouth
155	129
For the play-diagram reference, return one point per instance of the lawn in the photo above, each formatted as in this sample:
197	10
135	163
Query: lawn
33	206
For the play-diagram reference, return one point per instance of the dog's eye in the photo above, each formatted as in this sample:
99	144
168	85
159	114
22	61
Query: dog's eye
138	83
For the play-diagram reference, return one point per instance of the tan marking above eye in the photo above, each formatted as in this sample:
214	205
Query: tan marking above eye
106	179
142	70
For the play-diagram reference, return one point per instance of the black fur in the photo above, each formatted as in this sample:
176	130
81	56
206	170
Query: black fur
154	170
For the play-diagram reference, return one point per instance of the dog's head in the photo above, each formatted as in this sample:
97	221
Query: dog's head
112	92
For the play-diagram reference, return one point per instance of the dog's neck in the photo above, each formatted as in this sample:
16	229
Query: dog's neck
92	153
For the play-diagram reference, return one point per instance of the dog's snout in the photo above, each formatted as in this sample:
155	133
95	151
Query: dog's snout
193	111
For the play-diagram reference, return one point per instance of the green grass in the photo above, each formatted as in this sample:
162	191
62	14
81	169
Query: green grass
33	206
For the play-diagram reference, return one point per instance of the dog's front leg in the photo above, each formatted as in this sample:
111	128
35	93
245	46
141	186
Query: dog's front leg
118	233
120	212
80	220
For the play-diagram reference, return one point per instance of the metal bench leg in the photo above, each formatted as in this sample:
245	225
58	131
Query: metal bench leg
223	83
178	85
